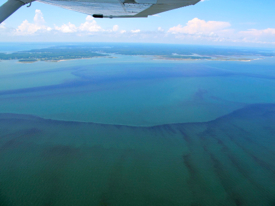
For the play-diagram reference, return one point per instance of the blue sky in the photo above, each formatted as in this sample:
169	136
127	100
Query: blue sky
210	22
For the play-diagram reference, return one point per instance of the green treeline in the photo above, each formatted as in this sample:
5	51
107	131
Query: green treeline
50	54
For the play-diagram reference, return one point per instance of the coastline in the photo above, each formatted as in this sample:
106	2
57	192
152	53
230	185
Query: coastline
157	57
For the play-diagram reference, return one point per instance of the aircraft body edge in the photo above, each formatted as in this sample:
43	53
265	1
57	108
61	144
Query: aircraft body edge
104	8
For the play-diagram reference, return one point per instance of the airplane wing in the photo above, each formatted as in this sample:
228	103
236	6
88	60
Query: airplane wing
120	8
104	8
162	7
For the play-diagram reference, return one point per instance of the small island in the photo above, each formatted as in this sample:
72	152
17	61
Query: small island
54	54
210	58
27	60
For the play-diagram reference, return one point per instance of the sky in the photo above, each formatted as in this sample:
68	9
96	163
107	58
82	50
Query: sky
248	23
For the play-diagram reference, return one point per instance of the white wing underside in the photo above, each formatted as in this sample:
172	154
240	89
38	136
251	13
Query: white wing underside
120	8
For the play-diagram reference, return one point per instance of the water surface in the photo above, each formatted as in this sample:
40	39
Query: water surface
133	130
229	161
134	90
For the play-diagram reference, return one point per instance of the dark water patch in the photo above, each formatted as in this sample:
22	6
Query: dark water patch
115	179
58	88
191	169
155	71
53	184
3	199
158	201
199	95
19	138
60	151
230	188
128	179
169	129
37	72
11	116
227	184
158	71
222	162
185	136
88	76
250	112
196	182
221	165
251	152
164	129
230	155
245	161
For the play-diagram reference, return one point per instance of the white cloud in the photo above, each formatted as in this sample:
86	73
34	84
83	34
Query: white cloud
27	28
194	31
258	33
219	31
265	36
160	29
198	26
89	18
135	31
66	28
2	26
90	25
38	17
39	25
115	28
205	31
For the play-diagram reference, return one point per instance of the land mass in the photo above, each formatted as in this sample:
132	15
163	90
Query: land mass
159	51
51	54
210	58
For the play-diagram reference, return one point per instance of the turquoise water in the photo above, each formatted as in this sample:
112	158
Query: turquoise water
132	130
134	90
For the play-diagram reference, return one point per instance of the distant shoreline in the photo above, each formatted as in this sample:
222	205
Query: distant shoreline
167	52
59	60
205	59
155	57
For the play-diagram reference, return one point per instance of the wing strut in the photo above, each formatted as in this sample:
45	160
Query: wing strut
9	8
